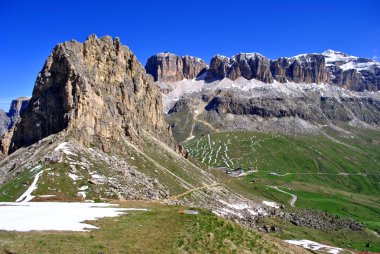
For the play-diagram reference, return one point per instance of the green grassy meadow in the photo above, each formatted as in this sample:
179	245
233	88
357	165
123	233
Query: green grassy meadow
340	175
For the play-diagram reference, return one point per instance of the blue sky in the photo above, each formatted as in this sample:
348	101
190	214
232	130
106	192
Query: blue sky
30	29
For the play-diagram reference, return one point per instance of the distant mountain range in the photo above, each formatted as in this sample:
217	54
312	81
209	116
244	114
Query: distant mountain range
330	67
248	91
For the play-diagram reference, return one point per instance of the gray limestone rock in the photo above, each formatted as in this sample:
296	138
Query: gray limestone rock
7	120
168	67
98	92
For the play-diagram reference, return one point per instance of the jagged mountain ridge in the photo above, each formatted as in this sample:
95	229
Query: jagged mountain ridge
333	67
301	94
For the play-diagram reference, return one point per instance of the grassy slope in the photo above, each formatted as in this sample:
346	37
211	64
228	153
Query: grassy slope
314	166
152	159
160	230
10	191
339	194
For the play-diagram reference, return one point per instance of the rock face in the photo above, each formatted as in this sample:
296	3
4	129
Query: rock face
17	108
351	72
7	120
280	107
4	122
167	67
98	92
193	67
319	110
333	67
308	68
246	65
218	67
250	66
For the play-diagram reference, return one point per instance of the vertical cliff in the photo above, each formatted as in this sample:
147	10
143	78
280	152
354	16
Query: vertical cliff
98	92
8	119
308	68
18	106
168	67
4	122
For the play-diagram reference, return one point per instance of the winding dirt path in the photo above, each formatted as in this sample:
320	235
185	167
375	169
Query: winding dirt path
199	110
294	197
207	186
194	189
320	173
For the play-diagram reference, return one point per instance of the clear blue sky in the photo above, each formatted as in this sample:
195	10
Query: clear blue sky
30	29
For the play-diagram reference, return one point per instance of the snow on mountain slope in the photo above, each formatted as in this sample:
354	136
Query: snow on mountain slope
347	62
254	88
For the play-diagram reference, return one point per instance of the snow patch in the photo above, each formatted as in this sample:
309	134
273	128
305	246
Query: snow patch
46	196
36	168
55	215
238	209
240	206
307	244
26	196
271	204
82	194
64	148
98	177
84	187
74	177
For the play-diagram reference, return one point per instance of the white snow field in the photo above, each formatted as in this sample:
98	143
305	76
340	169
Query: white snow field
307	244
28	216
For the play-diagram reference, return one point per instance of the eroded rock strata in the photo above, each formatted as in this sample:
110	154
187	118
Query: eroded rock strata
168	67
96	90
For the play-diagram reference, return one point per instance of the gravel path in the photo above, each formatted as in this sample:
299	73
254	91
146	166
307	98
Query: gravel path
294	197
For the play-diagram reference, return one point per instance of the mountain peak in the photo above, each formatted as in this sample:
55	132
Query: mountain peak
85	85
332	52
248	55
333	55
165	54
